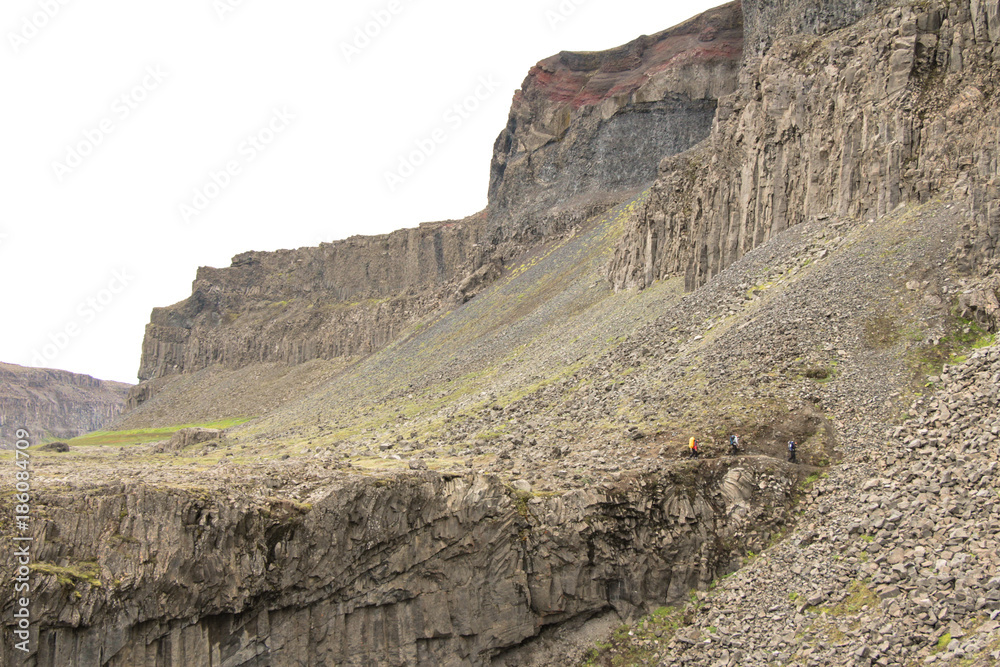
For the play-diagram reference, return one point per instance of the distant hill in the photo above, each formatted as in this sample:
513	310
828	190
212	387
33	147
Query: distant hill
55	404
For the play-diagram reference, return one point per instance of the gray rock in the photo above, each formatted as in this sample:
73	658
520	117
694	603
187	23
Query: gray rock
193	436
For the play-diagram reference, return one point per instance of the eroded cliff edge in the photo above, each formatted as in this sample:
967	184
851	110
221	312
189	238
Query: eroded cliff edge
843	109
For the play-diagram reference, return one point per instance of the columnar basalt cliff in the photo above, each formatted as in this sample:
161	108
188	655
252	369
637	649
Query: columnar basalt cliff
55	404
420	570
769	20
894	109
342	299
585	125
570	149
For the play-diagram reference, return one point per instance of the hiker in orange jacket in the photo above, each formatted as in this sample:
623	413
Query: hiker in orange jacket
693	446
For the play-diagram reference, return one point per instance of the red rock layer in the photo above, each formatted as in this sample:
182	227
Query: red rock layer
582	79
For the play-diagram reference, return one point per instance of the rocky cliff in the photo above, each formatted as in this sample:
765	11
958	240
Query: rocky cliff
848	109
587	125
427	508
413	570
342	299
568	151
55	404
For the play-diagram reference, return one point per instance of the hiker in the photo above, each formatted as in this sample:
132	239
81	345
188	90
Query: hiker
693	446
792	445
734	444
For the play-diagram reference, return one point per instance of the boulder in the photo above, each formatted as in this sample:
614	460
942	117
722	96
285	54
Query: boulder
193	436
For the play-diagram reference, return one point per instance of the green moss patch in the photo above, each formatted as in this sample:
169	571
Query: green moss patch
86	572
143	436
637	644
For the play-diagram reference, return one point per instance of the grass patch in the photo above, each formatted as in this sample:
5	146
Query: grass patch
811	479
859	596
942	643
521	499
965	336
118	540
86	572
637	644
821	374
373	464
144	435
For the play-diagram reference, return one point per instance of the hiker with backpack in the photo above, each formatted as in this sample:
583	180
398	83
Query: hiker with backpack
693	447
734	444
792	445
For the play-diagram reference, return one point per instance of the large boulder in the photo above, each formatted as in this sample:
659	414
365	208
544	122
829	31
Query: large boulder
193	436
982	305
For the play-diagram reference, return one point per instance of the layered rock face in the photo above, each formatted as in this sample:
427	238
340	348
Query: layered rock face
584	130
55	404
587	125
341	299
416	570
893	109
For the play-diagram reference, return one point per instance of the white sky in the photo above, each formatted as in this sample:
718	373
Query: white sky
159	95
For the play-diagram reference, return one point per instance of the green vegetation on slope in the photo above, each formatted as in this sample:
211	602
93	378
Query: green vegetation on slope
143	435
637	644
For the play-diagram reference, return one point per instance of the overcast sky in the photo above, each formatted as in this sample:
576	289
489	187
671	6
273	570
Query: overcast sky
143	139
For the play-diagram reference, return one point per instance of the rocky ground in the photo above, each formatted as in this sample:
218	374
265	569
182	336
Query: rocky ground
829	334
896	557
